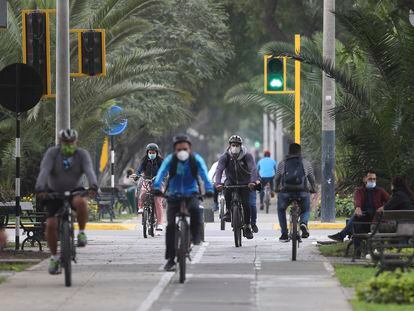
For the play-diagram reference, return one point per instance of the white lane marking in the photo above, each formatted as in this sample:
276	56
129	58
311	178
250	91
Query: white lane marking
329	267
221	276
200	253
156	292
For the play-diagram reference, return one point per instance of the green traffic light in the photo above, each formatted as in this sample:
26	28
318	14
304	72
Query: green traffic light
275	75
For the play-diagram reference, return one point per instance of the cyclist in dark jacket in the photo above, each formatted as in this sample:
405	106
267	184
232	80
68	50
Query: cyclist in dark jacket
240	169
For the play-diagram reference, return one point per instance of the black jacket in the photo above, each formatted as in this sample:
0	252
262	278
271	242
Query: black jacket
150	167
400	200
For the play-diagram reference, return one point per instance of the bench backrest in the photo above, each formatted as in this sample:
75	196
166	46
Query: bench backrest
398	215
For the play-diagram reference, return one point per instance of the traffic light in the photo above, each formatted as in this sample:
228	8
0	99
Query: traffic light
274	73
36	52
92	53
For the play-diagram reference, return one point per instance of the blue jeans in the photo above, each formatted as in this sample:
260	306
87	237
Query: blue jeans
283	200
253	207
348	229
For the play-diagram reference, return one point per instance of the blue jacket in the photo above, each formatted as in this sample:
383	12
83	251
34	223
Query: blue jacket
183	183
267	167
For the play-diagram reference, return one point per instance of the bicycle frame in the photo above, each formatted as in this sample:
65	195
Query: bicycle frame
294	212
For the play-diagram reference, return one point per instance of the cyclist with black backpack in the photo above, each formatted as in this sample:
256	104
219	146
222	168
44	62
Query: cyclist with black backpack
295	180
240	169
184	167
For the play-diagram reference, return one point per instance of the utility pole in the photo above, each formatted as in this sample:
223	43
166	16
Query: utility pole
62	67
3	14
328	122
265	131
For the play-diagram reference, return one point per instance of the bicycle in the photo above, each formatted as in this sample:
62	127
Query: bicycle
295	212
222	207
237	214
267	197
149	219
66	218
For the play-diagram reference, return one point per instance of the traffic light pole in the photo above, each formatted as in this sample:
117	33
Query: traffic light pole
297	90
328	122
62	67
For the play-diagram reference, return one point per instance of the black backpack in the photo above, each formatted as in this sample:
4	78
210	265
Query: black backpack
294	176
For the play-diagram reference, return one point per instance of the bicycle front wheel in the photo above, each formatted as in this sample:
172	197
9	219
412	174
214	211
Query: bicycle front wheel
222	222
237	226
183	248
145	222
66	251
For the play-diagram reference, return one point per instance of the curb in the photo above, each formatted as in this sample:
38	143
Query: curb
109	226
319	226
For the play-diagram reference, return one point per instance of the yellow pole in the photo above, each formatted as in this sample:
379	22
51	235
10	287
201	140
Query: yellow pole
297	91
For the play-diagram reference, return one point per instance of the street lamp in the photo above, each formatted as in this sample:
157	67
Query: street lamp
411	17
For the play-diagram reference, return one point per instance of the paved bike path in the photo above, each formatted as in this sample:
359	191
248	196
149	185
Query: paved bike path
119	270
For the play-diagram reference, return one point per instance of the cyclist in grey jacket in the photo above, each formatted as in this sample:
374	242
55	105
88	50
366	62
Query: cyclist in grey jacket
61	170
303	173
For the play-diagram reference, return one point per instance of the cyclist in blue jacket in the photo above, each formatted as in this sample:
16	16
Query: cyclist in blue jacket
183	167
266	168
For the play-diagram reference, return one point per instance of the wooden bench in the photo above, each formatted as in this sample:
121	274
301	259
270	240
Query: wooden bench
387	248
106	202
31	222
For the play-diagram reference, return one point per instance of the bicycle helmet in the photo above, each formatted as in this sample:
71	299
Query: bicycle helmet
68	135
181	138
235	139
152	147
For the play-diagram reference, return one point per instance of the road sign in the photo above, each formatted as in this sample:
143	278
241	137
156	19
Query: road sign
115	123
20	87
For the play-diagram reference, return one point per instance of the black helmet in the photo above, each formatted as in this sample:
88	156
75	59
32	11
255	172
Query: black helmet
152	147
181	138
68	135
235	139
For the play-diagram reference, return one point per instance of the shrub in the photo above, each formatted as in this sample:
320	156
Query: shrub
344	207
388	288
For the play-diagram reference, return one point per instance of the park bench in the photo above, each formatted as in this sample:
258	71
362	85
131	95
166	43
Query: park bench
32	222
389	250
106	201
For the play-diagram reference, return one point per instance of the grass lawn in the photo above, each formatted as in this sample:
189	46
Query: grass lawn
14	266
351	275
2	279
333	250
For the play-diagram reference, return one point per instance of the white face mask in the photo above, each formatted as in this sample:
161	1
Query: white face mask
235	150
183	155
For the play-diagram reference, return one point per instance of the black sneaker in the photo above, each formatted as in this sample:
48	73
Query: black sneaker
284	238
170	265
227	217
336	237
305	230
254	228
248	232
261	206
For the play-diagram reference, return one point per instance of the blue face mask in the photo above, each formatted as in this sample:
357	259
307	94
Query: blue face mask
152	156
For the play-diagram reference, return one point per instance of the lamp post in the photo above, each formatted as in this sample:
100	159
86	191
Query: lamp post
411	17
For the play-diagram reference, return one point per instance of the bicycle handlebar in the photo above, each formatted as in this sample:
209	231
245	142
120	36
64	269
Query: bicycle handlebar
65	195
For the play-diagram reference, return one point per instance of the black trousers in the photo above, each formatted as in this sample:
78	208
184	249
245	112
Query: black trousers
245	198
193	206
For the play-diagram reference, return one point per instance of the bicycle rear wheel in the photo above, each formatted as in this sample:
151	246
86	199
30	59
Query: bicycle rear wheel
237	227
182	248
66	251
294	220
267	204
145	222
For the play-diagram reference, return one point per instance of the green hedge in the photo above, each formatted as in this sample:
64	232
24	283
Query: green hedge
344	207
388	288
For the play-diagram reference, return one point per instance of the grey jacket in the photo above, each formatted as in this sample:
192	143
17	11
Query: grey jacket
54	177
308	172
239	171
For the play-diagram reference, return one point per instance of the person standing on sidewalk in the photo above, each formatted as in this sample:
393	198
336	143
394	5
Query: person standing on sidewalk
294	180
266	169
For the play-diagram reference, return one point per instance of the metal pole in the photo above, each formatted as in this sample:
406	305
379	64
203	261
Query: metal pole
265	131
62	67
272	134
3	14
17	155
279	139
297	91
112	177
328	122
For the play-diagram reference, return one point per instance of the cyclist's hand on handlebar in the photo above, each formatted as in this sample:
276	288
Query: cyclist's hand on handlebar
209	194
157	193
252	186
219	187
92	193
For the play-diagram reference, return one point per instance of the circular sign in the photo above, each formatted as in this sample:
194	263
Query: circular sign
20	87
115	123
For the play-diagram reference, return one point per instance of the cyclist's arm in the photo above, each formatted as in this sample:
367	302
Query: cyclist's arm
202	171
220	168
162	173
46	167
88	169
311	176
279	176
